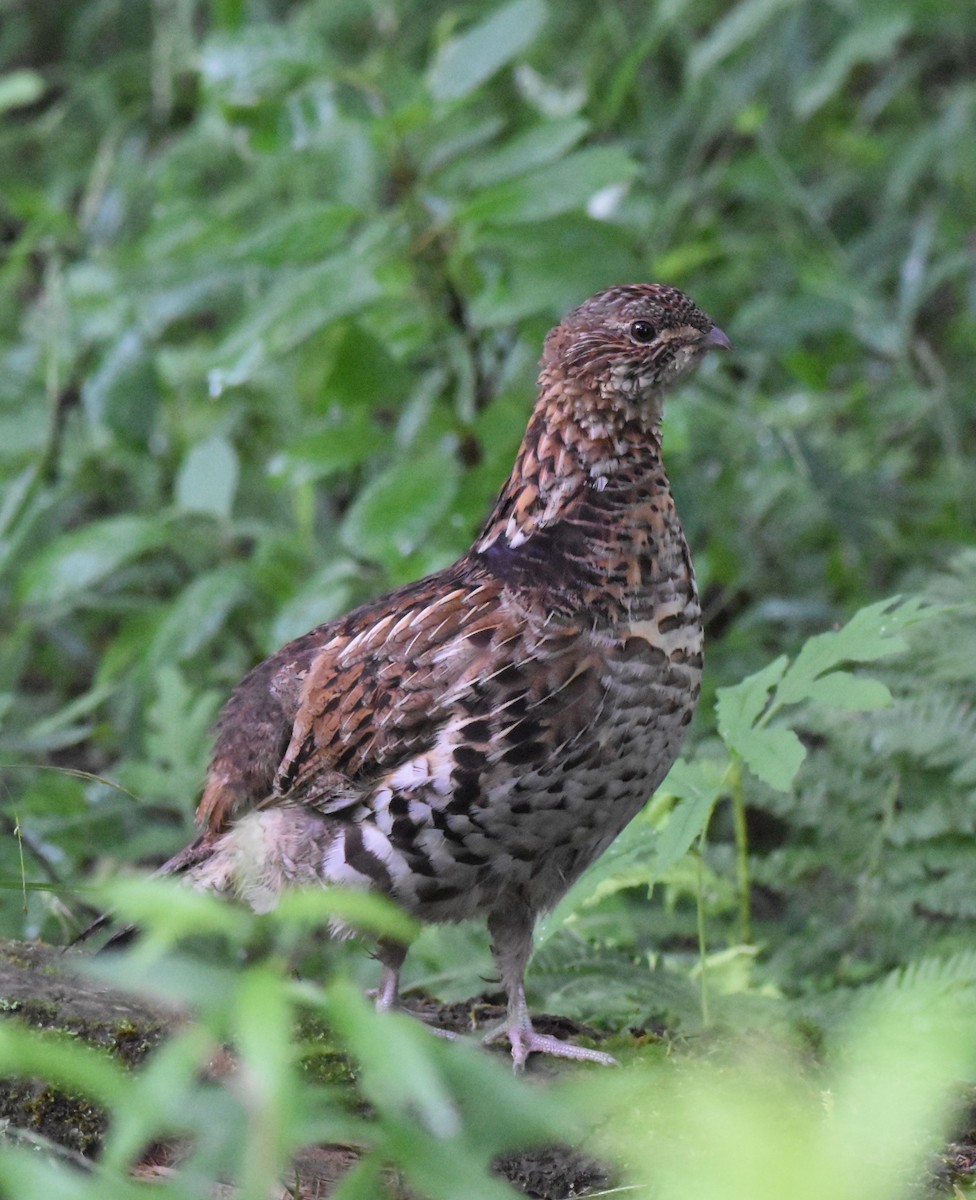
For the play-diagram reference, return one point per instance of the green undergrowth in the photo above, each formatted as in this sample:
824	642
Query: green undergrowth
866	1107
274	281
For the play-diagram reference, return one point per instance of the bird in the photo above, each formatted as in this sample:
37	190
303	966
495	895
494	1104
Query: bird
469	743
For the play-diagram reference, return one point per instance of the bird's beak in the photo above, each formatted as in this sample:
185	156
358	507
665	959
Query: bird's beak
715	338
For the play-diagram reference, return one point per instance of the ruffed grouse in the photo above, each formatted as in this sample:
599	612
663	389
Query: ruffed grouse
470	743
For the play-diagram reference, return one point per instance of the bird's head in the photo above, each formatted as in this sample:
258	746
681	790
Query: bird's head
632	342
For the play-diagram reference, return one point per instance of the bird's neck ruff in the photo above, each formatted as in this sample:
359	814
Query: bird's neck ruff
584	449
586	519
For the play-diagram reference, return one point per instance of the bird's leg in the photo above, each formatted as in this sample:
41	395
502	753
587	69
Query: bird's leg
510	927
391	954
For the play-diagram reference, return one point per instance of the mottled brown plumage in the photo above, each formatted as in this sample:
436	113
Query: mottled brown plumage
470	743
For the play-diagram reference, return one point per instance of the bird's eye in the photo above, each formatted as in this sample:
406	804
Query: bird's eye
643	331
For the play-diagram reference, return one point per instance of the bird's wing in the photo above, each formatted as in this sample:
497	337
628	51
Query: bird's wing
346	702
378	695
430	684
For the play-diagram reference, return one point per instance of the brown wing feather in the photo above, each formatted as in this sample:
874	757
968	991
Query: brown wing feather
374	697
348	700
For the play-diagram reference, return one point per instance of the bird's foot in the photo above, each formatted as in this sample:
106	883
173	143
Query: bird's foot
448	1035
387	999
525	1040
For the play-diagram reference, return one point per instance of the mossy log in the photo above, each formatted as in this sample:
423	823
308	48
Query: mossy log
39	987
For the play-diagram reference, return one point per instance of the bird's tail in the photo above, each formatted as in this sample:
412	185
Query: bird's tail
198	851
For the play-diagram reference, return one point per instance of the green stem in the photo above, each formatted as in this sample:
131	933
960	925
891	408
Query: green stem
702	946
743	880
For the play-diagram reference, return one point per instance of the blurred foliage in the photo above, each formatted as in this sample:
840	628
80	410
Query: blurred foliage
274	282
753	1117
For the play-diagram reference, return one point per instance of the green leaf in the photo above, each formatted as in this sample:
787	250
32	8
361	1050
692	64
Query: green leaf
310	909
177	740
396	511
327	594
572	257
348	439
305	233
197	615
773	755
67	726
870	40
167	910
466	61
34	1170
207	479
299	304
872	633
743	24
561	187
541	144
255	63
739	707
844	691
262	1036
161	1092
445	1110
19	89
123	393
395	1069
75	562
698	787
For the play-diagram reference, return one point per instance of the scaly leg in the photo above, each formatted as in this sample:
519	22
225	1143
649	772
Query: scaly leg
391	955
510	926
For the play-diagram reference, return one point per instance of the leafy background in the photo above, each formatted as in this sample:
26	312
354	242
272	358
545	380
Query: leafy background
274	284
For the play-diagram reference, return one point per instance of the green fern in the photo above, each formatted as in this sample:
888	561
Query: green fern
875	848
